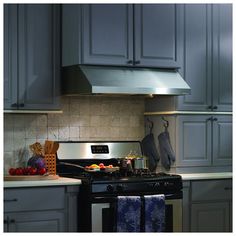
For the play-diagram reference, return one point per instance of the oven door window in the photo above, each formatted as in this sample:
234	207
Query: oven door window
102	217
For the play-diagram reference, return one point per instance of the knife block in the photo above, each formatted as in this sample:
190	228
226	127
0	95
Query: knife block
50	161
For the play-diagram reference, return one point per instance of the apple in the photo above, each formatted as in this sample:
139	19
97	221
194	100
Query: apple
33	171
19	171
12	171
42	171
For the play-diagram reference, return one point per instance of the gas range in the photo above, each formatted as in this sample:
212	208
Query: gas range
100	191
139	180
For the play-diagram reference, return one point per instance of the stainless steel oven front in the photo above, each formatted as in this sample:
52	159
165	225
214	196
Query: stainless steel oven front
103	214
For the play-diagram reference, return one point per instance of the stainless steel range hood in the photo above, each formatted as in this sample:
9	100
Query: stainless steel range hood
84	79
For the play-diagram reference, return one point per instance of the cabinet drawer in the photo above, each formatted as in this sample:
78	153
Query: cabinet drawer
211	190
30	199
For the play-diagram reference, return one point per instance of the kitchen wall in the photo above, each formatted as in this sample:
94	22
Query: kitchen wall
84	118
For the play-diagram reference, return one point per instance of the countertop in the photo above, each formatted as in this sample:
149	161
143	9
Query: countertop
61	181
69	181
201	176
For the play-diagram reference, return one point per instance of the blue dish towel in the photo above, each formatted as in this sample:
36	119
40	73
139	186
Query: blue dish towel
128	213
154	213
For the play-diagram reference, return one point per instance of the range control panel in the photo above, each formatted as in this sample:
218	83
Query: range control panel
99	149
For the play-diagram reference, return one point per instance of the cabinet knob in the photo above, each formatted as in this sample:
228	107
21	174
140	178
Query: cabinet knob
215	107
137	62
14	105
215	119
12	221
130	62
21	105
210	119
209	107
5	221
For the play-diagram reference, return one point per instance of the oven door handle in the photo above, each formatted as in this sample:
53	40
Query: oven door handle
114	198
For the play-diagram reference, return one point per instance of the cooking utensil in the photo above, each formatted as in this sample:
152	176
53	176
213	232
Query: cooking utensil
48	146
55	147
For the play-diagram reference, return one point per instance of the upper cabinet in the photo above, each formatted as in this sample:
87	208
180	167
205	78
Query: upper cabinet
206	62
31	56
122	34
222	57
207	65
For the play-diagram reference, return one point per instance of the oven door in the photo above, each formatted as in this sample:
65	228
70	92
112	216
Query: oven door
103	214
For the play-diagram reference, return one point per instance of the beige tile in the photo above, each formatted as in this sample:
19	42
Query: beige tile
115	121
74	132
42	120
53	133
63	133
19	120
74	120
124	121
42	132
84	132
84	121
63	120
31	132
95	120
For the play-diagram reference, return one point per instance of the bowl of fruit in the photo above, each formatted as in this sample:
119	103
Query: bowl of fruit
101	167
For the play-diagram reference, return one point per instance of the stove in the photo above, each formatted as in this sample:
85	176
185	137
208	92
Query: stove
99	189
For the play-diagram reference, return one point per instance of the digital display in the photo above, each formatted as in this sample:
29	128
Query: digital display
99	149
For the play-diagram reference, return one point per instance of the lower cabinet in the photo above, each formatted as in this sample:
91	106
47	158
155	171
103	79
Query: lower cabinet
204	140
45	221
209	206
41	209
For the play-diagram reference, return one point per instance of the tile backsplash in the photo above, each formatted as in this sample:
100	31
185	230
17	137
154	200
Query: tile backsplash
88	118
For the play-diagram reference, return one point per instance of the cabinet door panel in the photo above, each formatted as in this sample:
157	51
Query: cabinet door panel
10	56
210	217
39	56
48	221
194	141
156	34
108	35
222	56
222	141
197	57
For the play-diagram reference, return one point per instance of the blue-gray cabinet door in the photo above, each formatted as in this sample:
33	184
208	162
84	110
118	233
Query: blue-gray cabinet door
39	56
10	56
210	216
41	221
196	67
107	34
157	35
193	144
222	140
222	57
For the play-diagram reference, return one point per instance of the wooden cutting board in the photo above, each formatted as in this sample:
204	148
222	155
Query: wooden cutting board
29	177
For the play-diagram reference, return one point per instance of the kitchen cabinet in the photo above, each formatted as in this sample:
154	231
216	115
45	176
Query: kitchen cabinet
211	206
41	209
122	34
206	62
204	140
31	56
222	57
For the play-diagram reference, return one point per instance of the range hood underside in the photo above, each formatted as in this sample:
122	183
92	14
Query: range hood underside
87	80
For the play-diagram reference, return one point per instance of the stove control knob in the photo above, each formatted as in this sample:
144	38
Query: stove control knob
119	188
156	185
166	184
110	188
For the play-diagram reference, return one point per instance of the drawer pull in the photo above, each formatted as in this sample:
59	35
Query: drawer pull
5	221
11	200
227	188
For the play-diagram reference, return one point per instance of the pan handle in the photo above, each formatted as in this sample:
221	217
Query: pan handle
70	164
